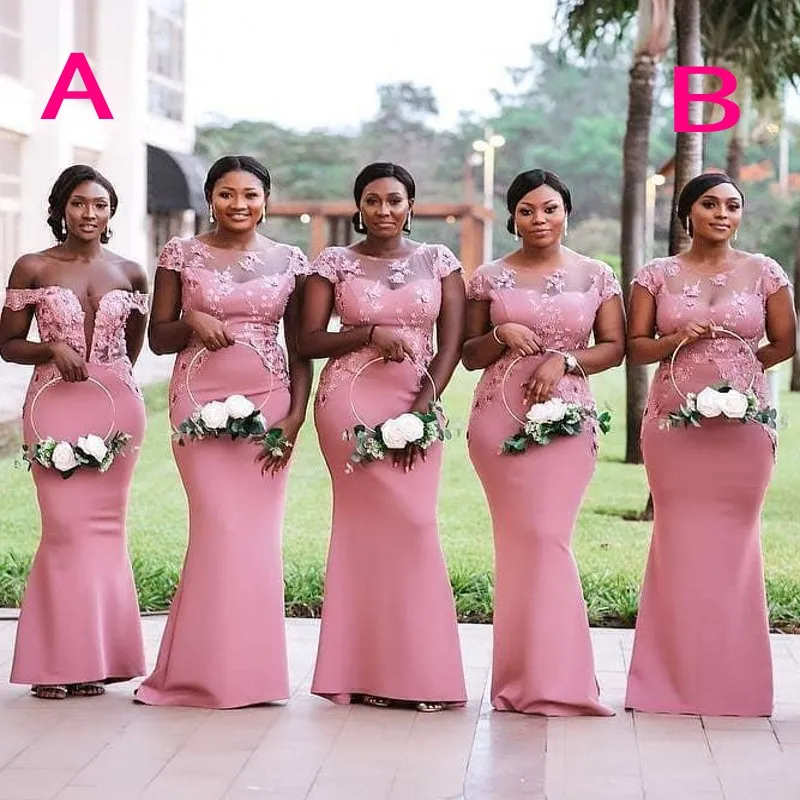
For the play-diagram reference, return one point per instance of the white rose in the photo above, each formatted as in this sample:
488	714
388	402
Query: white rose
64	458
93	446
411	426
734	404
214	415
392	434
558	409
239	406
539	412
709	402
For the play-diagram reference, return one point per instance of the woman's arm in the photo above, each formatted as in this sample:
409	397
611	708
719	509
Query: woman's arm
450	327
136	325
781	325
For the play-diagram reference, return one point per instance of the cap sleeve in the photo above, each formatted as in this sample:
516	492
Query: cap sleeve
650	277
479	286
606	282
139	302
171	256
17	299
773	277
298	263
326	265
444	262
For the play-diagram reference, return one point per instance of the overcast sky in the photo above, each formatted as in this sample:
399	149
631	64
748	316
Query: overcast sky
316	63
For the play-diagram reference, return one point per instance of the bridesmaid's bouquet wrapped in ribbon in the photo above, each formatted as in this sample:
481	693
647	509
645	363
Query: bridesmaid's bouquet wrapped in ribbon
236	417
721	400
89	452
411	430
551	419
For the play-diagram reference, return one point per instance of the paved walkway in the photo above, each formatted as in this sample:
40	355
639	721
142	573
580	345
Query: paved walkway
111	749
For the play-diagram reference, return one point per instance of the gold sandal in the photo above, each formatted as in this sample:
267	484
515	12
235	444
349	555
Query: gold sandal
430	708
376	702
53	692
86	689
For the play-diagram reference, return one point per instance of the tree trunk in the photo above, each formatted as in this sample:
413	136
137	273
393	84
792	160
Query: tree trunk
688	146
735	154
632	245
795	385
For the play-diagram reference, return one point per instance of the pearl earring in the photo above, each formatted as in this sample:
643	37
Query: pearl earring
64	227
211	214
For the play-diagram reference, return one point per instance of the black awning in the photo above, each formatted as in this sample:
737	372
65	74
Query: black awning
174	181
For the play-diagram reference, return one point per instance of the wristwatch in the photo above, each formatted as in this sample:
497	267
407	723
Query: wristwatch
570	362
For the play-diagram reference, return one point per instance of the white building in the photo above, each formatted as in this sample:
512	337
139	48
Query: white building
138	53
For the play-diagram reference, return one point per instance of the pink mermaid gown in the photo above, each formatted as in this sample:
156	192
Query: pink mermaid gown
542	660
388	620
702	636
224	643
79	621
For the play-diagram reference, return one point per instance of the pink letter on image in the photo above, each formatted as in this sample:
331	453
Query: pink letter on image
683	96
77	63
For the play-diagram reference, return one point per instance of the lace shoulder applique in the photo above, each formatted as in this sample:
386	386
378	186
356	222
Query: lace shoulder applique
17	299
298	263
327	265
773	276
605	282
651	275
444	262
171	256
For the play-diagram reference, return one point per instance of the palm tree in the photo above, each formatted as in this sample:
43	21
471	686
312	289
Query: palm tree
655	31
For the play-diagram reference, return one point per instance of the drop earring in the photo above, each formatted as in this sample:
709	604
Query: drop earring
566	226
360	224
735	234
211	214
516	232
64	227
108	233
407	224
264	214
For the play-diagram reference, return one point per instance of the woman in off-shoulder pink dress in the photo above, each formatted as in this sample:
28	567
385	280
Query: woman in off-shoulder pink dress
218	301
389	630
543	297
702	635
79	623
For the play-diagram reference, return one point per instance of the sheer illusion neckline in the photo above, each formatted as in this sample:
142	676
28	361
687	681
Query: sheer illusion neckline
386	258
268	242
683	265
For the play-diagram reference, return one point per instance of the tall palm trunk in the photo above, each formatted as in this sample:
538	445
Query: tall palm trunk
795	385
634	214
688	146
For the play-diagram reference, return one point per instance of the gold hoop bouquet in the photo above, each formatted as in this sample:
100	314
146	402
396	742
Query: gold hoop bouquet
548	420
87	452
236	417
721	399
413	429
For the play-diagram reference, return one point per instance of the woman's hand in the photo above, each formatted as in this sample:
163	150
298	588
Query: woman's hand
539	387
695	330
392	346
519	339
70	364
290	427
212	332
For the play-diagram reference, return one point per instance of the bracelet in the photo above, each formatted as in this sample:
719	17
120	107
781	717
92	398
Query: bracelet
496	337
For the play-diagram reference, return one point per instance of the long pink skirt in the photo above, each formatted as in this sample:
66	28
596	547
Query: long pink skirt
79	620
542	660
388	622
224	645
702	636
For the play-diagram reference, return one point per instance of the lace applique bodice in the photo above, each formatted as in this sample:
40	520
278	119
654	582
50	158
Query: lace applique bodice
401	293
249	290
61	318
735	300
559	307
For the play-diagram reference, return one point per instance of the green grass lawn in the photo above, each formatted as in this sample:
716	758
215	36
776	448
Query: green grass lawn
611	551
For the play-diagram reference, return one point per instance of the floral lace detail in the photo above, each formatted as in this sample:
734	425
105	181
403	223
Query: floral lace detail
61	318
404	294
560	309
250	293
734	300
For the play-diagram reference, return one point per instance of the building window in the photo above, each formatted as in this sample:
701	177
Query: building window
11	38
10	200
165	58
86	28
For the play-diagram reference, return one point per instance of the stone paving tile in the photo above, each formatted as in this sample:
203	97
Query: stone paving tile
112	749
